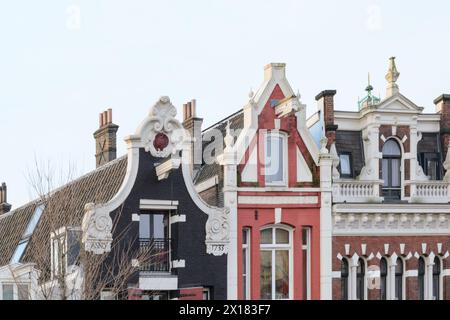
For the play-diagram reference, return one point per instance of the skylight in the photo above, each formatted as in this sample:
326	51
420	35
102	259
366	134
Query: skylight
27	234
34	221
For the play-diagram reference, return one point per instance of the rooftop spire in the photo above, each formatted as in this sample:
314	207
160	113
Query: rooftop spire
391	77
369	99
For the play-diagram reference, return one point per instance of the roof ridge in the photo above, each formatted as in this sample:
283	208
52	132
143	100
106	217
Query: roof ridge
223	120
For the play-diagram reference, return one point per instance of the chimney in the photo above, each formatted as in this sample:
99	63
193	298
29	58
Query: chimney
194	126
443	108
105	139
5	207
325	102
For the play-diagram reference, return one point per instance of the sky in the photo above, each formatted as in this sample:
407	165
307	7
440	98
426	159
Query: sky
63	62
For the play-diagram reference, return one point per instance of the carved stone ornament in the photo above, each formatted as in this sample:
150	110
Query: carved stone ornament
96	227
217	230
162	134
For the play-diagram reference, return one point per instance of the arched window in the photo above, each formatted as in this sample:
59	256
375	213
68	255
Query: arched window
275	261
391	169
360	280
275	159
399	279
383	278
344	279
436	278
421	276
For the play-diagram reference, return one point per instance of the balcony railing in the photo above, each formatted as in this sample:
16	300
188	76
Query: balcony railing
156	254
356	191
430	191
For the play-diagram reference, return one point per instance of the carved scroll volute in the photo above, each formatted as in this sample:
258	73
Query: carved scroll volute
96	228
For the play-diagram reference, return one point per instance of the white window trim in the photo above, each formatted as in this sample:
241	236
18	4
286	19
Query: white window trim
284	139
273	248
15	289
307	247
349	278
247	258
53	236
353	277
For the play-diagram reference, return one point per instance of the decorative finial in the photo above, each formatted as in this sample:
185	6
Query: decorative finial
323	144
251	94
298	94
391	77
228	138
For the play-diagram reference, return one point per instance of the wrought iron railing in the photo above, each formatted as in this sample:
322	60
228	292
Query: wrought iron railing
155	254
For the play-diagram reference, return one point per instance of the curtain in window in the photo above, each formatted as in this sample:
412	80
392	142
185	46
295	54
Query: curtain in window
421	278
344	279
436	278
360	278
399	279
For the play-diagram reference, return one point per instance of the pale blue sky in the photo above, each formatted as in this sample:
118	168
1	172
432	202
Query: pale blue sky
56	74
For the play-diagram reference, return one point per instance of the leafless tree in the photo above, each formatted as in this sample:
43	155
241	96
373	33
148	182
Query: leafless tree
65	270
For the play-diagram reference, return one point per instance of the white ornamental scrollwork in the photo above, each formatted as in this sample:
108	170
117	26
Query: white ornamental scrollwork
162	133
96	227
217	229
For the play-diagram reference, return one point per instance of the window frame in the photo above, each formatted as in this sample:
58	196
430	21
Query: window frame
422	278
350	163
345	280
246	258
425	157
384	279
273	247
60	237
284	139
363	277
439	278
402	278
389	191
306	273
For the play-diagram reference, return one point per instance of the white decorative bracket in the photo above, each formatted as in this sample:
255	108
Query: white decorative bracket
96	227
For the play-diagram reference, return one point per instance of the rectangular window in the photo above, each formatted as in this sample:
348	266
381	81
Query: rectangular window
154	226
65	249
306	272
274	160
431	164
345	163
8	292
246	264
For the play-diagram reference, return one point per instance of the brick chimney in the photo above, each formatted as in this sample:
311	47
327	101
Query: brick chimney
325	102
105	139
5	207
194	126
443	108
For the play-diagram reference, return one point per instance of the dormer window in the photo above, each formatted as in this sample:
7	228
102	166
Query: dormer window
275	159
65	250
430	162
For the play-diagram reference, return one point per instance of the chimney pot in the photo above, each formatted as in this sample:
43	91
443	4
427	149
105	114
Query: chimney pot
5	207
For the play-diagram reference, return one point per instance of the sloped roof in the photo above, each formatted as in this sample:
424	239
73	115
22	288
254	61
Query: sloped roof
63	207
210	170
